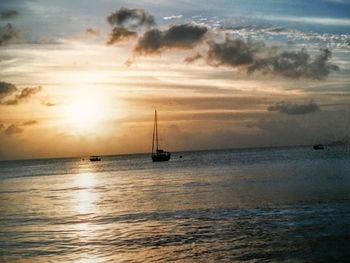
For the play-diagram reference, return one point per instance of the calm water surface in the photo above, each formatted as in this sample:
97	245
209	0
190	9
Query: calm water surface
262	205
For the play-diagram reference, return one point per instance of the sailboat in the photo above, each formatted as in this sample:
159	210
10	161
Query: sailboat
158	155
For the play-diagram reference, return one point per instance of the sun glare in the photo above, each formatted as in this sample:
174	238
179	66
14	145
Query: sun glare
87	111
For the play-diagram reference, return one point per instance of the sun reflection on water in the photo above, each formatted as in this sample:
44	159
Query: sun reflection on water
85	180
85	209
87	260
84	197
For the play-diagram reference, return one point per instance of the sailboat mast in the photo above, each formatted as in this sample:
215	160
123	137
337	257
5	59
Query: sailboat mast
156	130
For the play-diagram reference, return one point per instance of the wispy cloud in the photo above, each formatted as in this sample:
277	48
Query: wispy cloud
7	33
294	108
326	21
172	17
342	2
13	129
8	14
92	31
23	95
47	102
10	96
29	123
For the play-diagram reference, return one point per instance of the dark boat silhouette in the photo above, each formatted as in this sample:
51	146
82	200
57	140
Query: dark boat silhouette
95	158
158	155
318	147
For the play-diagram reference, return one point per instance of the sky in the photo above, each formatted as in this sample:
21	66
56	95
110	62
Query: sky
80	78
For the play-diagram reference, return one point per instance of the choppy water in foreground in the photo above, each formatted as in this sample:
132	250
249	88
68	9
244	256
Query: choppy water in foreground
286	204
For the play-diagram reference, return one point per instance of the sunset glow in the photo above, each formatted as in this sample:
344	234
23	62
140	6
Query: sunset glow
219	78
86	112
174	131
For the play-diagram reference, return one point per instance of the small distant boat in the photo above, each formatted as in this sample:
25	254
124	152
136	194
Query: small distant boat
158	155
95	158
318	147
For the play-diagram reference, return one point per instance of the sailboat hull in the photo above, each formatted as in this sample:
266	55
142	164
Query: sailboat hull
161	157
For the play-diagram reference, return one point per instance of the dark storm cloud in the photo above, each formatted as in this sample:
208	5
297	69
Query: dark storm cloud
131	18
7	33
127	23
13	129
120	34
23	95
8	14
219	50
184	36
231	52
294	108
257	57
296	64
6	89
28	123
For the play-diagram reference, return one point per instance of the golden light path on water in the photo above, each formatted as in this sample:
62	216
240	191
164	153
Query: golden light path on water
84	198
212	206
83	205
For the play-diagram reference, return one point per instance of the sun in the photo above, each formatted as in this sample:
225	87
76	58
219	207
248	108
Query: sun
87	111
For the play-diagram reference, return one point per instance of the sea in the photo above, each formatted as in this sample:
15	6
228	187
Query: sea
288	204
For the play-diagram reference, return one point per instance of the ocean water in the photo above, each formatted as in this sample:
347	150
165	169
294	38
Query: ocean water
257	205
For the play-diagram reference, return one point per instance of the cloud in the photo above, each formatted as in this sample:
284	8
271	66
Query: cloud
8	14
23	95
172	17
7	33
131	18
219	49
6	89
324	127
231	52
2	126
91	31
13	129
47	102
294	108
296	64
28	123
343	2
218	103
184	36
120	34
257	57
127	22
27	92
327	21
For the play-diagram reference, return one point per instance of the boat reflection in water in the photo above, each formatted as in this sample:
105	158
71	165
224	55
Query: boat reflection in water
158	155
